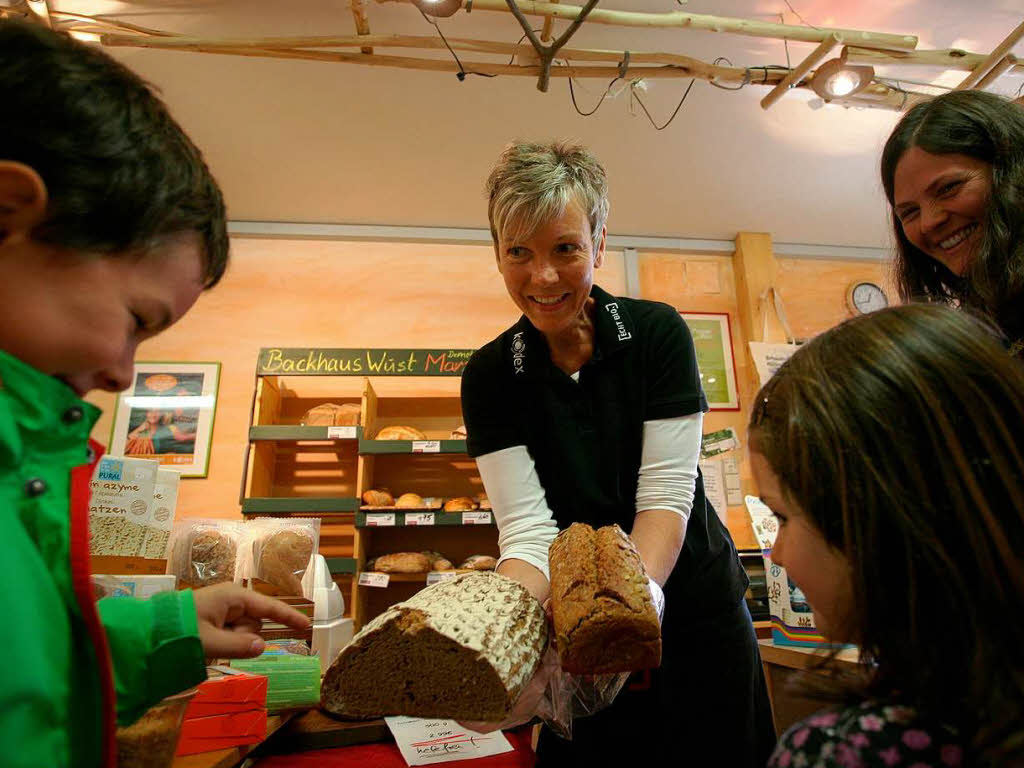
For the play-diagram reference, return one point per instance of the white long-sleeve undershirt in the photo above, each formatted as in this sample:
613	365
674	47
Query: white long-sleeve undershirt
526	525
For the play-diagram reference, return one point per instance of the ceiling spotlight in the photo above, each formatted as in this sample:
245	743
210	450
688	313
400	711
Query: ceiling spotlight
439	8
835	79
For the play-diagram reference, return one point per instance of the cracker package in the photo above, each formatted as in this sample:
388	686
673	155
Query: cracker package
121	495
281	550
161	514
204	552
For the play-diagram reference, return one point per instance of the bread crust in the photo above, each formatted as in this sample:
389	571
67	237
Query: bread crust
603	615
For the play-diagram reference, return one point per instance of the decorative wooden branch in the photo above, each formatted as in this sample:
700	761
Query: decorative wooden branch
944	58
1007	62
545	33
673	19
547	52
993	58
41	9
362	23
797	73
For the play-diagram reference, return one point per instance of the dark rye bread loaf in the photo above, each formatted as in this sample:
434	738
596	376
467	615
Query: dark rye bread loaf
603	615
462	649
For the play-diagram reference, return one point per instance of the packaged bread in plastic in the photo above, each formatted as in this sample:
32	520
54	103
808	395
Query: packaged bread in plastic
204	551
281	550
160	520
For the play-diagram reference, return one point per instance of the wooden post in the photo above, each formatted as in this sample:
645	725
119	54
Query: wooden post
756	271
1008	61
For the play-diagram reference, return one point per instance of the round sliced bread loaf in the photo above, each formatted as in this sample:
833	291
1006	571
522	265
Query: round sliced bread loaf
462	649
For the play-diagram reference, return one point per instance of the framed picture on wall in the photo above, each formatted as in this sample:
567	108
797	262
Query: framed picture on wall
167	415
712	339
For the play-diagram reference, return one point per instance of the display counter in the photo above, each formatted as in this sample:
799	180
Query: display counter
783	663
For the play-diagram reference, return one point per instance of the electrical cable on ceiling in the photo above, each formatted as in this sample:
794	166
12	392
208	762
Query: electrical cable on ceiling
519	42
746	76
572	94
676	112
461	74
791	8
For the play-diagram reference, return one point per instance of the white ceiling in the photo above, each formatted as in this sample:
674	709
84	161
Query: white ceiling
338	143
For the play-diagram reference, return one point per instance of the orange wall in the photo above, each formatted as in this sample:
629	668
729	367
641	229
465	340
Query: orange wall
357	294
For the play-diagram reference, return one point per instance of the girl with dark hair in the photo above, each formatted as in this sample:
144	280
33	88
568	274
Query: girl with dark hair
953	171
900	516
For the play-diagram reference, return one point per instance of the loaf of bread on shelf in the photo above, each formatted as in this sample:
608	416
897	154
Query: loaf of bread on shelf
332	415
403	562
281	558
459	433
378	498
409	500
400	433
438	562
459	504
462	649
480	563
603	616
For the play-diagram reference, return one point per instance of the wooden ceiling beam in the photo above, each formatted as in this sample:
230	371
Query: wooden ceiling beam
992	59
680	19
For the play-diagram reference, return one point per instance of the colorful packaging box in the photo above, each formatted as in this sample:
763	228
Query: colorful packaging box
228	691
205	734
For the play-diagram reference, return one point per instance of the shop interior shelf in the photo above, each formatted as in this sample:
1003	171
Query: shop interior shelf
297	432
376	447
398	578
440	518
341	565
273	504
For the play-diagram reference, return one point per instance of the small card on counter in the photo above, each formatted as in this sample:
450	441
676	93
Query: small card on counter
341	433
424	741
426	446
380	519
476	518
419	518
373	579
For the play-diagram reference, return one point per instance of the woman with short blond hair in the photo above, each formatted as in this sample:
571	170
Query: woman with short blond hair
589	409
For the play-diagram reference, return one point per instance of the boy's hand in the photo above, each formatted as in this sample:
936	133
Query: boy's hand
230	617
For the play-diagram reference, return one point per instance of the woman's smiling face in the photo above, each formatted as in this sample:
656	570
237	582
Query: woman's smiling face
941	202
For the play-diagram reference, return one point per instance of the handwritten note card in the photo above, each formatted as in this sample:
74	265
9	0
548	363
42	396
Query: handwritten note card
425	742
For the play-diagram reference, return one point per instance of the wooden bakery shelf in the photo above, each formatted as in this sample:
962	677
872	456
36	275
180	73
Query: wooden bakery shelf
440	518
299	433
283	504
292	469
377	447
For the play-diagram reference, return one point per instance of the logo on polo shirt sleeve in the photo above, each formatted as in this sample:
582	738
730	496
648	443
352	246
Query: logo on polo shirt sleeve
613	310
518	351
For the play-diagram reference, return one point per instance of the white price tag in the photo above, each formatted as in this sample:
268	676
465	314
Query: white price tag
372	579
380	519
476	518
435	576
341	433
419	518
428	742
426	446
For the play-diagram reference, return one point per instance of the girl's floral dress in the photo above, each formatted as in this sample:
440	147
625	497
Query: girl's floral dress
868	736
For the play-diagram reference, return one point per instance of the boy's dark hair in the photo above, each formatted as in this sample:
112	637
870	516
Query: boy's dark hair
989	128
900	435
119	171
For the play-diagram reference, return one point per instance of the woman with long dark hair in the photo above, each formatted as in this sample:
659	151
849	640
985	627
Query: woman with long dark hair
953	171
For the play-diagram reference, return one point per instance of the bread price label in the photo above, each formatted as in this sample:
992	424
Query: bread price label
419	518
476	518
341	433
426	446
380	519
435	576
370	579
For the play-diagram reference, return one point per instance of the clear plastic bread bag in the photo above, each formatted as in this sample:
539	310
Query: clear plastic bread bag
282	549
204	551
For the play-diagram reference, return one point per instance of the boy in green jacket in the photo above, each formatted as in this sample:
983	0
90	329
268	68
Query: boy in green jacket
111	226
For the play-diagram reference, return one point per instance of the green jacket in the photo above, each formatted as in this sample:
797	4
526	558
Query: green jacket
69	656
